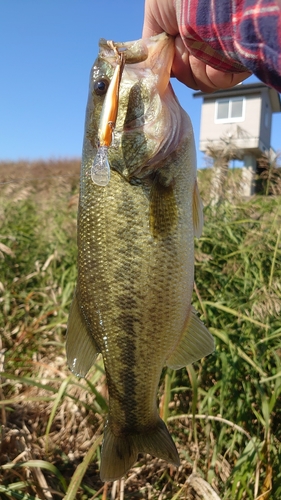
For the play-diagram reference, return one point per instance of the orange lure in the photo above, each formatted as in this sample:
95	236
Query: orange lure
100	171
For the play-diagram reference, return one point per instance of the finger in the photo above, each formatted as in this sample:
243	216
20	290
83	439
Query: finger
153	23
223	80
210	79
181	67
159	17
199	71
150	25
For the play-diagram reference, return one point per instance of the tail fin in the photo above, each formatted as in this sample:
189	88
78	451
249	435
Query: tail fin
120	453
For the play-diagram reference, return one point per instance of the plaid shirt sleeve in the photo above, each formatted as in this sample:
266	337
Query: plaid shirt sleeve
234	35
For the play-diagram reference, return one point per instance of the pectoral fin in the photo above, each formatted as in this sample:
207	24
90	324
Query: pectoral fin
80	346
196	343
197	212
163	215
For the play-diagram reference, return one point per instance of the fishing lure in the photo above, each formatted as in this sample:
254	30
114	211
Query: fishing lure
100	170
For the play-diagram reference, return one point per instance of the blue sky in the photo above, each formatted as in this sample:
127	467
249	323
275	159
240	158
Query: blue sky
46	52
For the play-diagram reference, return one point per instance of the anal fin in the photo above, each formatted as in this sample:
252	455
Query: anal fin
81	349
196	343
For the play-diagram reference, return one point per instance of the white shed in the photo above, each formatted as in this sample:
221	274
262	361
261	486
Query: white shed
244	114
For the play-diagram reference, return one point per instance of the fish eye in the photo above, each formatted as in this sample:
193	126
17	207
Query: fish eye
101	86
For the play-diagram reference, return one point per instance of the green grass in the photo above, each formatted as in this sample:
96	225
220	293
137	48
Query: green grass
224	412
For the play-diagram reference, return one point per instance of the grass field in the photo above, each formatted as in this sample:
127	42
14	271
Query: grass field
224	412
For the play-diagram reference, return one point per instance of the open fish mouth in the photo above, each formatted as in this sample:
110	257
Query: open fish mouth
153	55
132	77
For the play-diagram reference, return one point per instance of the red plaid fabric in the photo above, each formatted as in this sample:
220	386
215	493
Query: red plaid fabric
234	35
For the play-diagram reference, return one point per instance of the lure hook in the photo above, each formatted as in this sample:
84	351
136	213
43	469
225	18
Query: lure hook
100	170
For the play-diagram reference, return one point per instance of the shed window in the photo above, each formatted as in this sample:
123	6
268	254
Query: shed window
230	110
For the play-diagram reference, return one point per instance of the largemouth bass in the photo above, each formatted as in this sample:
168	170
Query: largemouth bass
132	301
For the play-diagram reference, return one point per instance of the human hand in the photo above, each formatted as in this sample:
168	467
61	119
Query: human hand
159	16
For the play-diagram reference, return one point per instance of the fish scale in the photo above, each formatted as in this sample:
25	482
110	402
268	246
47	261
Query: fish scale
132	301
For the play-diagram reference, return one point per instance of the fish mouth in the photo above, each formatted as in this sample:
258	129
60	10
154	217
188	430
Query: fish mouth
150	75
155	53
135	51
146	60
147	125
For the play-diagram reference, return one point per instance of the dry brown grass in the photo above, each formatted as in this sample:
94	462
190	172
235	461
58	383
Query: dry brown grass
48	414
41	179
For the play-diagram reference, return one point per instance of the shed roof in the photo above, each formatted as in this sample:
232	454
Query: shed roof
244	89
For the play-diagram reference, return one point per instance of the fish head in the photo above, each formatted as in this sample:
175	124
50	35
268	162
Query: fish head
148	123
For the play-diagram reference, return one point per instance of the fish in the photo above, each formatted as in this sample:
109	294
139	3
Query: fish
135	237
